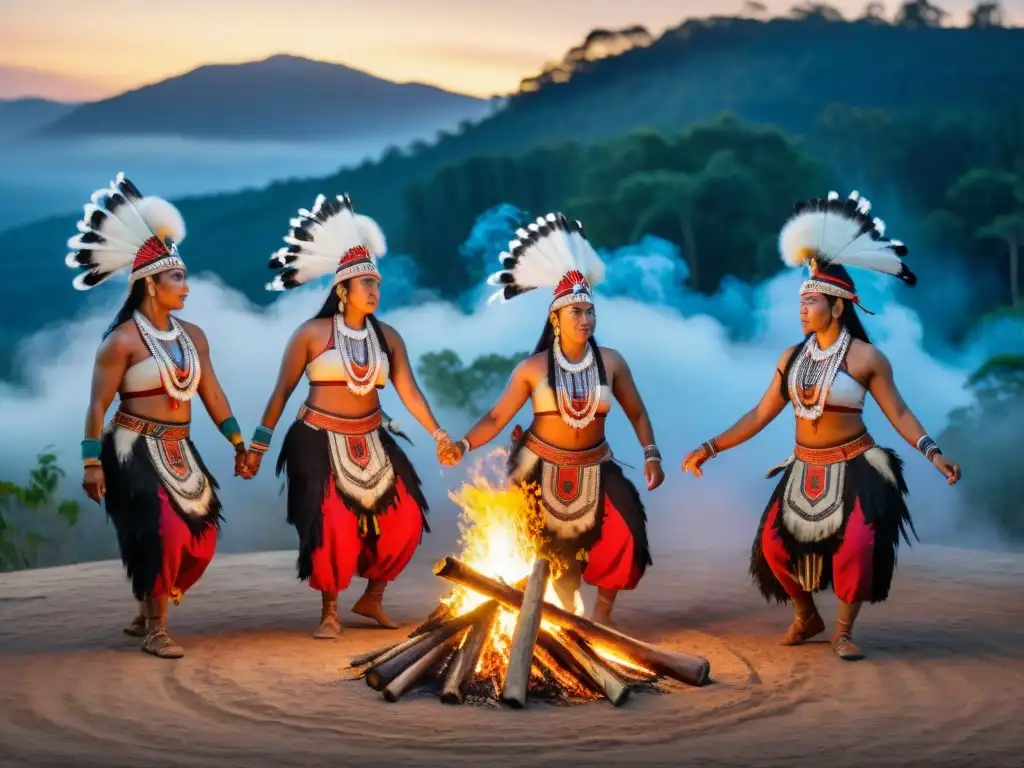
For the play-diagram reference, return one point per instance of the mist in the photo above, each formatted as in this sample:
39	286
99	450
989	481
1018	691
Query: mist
700	363
44	178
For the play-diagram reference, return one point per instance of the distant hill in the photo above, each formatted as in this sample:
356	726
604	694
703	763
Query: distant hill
279	98
21	117
785	72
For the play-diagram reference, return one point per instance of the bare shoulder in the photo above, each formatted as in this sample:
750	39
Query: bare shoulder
867	357
393	337
532	369
314	328
612	358
786	354
194	331
121	342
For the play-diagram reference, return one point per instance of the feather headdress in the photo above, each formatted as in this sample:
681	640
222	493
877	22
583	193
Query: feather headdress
550	252
330	238
120	229
833	232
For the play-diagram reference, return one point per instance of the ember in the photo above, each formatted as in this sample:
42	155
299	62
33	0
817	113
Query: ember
504	633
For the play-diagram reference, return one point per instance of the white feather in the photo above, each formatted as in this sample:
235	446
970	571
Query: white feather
553	252
122	229
332	235
162	216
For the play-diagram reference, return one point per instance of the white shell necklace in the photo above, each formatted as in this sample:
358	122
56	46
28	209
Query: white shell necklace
343	342
179	383
576	381
813	374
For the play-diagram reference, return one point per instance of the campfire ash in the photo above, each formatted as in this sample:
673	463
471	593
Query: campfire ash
503	634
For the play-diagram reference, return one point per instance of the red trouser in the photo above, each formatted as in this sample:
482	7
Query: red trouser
610	563
185	556
851	563
343	550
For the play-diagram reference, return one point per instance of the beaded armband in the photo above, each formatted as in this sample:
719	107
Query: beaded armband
260	442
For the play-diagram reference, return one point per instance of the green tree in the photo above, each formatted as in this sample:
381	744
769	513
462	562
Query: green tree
985	15
454	385
985	439
991	205
18	547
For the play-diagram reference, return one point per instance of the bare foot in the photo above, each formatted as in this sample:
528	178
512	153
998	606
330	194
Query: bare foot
803	629
370	606
159	643
843	647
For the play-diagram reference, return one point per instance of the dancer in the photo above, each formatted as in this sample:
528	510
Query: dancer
160	496
594	518
838	511
353	496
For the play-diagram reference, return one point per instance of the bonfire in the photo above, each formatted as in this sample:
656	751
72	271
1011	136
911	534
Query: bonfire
503	632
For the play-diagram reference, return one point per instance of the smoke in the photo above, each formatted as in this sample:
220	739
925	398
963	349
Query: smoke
700	363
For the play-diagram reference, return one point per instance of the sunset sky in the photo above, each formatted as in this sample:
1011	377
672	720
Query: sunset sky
74	50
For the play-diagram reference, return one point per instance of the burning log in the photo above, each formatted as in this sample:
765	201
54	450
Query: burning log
397	687
463	665
520	657
561	664
688	669
603	677
444	613
381	674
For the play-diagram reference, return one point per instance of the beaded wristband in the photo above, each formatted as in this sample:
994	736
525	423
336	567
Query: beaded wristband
90	448
927	446
711	448
261	437
440	434
651	453
229	428
466	447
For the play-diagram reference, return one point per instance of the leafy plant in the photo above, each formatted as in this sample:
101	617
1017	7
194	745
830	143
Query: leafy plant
18	548
454	385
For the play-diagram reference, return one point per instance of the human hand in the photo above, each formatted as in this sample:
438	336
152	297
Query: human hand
450	454
948	468
94	483
694	459
653	474
252	463
241	465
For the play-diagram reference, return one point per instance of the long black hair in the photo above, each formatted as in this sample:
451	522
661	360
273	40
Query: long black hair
132	303
546	343
847	318
332	307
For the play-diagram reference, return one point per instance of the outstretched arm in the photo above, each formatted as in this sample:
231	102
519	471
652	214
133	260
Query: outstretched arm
491	423
215	401
211	393
108	370
882	386
748	425
408	389
625	391
293	363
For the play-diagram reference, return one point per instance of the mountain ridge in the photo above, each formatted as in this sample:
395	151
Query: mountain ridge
308	99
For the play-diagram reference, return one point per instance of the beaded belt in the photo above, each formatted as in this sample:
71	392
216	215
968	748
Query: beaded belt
339	424
844	452
563	457
151	428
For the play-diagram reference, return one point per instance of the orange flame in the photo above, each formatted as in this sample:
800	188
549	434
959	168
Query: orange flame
501	525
